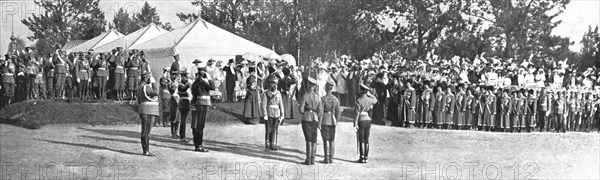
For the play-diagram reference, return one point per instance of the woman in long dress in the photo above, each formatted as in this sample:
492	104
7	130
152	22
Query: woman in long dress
252	109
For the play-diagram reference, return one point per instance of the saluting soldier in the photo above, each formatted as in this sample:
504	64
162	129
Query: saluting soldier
543	107
82	73
428	105
329	120
311	109
362	121
273	109
132	66
461	107
504	111
440	107
531	111
410	102
119	84
60	65
201	100
185	96
8	81
101	77
449	110
148	109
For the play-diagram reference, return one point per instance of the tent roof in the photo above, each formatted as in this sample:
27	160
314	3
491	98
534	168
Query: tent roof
99	40
72	44
200	39
141	35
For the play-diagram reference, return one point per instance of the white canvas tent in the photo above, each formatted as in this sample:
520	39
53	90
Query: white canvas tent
135	38
197	40
99	40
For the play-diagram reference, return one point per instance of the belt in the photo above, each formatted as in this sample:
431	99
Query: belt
202	97
82	70
133	68
186	97
9	74
101	68
121	67
274	106
364	113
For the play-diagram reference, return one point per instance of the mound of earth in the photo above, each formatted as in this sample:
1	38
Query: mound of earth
35	114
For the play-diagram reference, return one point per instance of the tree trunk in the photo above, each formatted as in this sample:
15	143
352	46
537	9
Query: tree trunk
509	44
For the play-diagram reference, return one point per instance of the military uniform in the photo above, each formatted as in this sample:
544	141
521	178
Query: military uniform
559	108
329	119
410	102
119	74
133	72
531	112
504	113
148	110
477	107
183	105
440	108
449	102
489	111
201	100
469	111
460	109
273	109
588	111
101	75
83	75
362	120
8	83
311	109
428	105
543	106
49	75
60	68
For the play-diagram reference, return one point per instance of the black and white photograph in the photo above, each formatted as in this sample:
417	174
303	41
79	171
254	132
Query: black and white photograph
300	89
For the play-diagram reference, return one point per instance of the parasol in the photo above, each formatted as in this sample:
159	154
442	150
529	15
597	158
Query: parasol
250	56
289	59
272	56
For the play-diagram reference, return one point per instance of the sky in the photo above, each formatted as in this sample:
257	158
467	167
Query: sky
578	15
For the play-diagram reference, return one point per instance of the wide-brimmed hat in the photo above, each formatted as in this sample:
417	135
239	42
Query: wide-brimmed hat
312	80
364	87
196	61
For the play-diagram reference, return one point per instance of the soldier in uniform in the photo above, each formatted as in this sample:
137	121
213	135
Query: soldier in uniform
489	111
588	111
101	67
410	102
83	75
428	104
273	109
311	109
572	103
440	108
60	65
504	111
461	107
559	108
148	109
579	111
132	66
531	111
8	82
49	75
449	110
201	100
185	97
119	84
329	119
40	84
165	97
362	121
469	109
543	107
477	107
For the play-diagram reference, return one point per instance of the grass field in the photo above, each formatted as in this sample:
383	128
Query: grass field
83	151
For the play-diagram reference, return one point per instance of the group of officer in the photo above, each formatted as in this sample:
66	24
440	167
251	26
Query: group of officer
86	75
491	108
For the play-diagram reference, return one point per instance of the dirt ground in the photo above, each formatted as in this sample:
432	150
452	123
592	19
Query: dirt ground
83	151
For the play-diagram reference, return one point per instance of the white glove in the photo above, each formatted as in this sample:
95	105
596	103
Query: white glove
265	118
90	80
78	80
152	80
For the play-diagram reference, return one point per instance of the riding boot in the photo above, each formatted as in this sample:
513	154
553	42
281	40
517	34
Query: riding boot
325	152
308	153
273	141
366	153
174	130
331	151
267	145
362	153
313	153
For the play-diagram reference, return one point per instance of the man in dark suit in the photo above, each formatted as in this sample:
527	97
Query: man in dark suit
230	79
